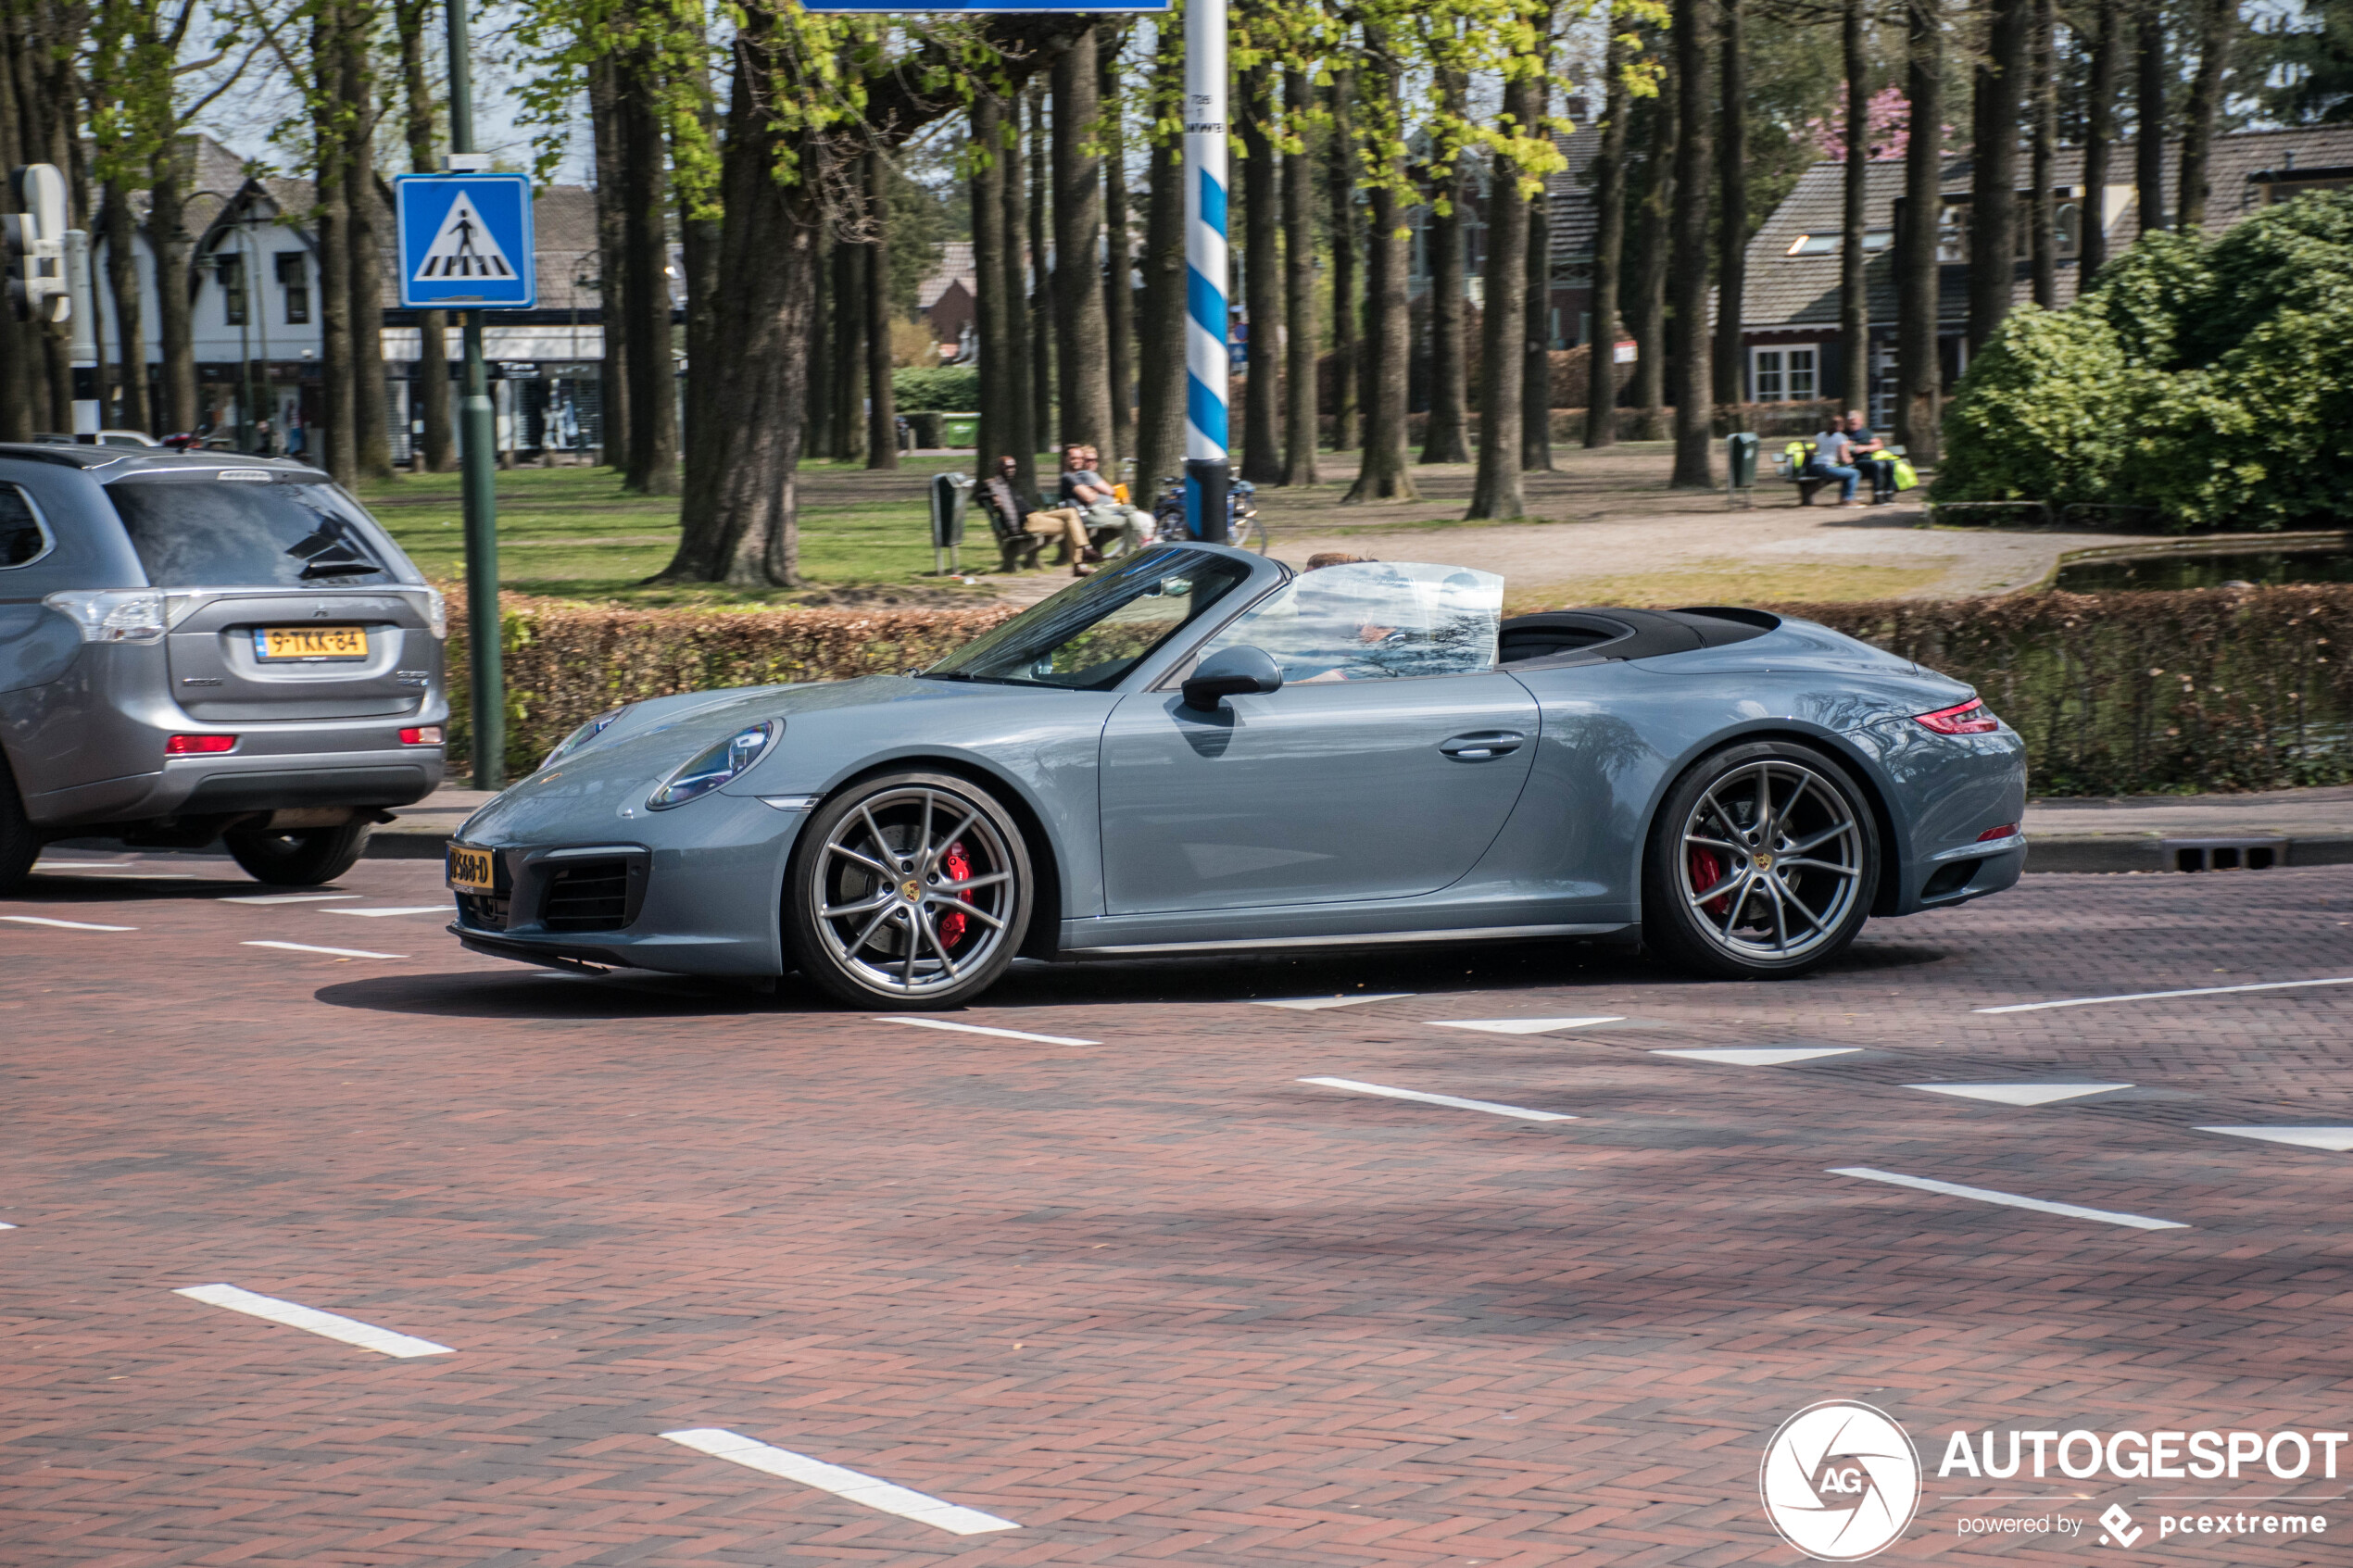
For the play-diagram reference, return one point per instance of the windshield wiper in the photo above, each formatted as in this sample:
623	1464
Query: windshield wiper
977	680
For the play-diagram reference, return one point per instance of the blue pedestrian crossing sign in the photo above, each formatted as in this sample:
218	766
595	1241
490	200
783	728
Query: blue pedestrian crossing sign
465	242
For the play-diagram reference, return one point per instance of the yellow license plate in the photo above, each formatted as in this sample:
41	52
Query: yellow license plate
310	642
471	870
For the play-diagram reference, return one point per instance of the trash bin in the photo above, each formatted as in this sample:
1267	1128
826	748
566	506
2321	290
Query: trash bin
1740	450
950	493
959	430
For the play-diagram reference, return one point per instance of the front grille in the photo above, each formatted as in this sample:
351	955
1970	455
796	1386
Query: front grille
587	895
482	912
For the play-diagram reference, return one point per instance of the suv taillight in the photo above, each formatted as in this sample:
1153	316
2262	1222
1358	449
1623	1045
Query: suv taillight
424	734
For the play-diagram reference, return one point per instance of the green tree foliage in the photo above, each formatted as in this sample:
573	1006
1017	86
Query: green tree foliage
2205	380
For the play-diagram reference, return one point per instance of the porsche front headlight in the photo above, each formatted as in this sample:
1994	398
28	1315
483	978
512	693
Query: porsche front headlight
723	762
581	736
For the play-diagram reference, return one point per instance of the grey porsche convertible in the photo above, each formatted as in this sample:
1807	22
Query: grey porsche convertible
1199	750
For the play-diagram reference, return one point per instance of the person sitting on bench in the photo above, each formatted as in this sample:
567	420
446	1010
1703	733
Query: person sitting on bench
1868	453
1829	461
1064	524
1107	517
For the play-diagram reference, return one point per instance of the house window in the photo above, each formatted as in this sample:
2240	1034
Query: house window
2071	229
1786	374
231	269
294	278
1814	244
1952	232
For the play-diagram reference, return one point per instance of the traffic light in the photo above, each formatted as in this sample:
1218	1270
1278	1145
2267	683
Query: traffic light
33	235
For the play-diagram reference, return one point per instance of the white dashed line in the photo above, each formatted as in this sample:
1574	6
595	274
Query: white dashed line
1987	1195
848	1485
1518	1025
2019	1094
330	1325
330	952
65	925
5	1226
403	909
1316	1004
2160	996
983	1029
1758	1056
78	865
2337	1140
1487	1105
287	897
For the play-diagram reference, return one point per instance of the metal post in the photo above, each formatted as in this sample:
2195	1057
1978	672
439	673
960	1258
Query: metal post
1207	468
477	432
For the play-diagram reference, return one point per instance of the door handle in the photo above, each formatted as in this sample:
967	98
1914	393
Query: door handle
1482	745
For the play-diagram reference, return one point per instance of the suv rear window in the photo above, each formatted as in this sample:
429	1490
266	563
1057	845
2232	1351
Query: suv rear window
205	532
23	540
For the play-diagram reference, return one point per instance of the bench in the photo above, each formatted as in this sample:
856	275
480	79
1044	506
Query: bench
1797	456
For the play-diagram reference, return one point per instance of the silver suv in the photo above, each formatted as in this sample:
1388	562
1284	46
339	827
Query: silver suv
197	646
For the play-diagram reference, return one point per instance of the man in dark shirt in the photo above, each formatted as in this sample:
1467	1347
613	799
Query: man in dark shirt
1868	453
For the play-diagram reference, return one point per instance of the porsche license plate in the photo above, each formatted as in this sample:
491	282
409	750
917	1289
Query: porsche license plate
283	643
471	871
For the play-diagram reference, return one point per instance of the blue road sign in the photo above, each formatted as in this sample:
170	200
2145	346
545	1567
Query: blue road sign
465	242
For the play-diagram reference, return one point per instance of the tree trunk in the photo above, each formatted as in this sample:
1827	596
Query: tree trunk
821	439
1041	291
2099	137
1160	422
1262	279
337	450
1079	324
2041	203
850	350
17	356
370	397
1731	196
129	317
1503	324
1536	306
612	262
1384	476
2217	21
2000	97
1341	197
1854	262
2149	118
1693	382
653	393
1119	262
1919	397
985	188
1609	244
168	243
882	403
1653	240
1298	290
1022	341
700	243
429	393
1442	229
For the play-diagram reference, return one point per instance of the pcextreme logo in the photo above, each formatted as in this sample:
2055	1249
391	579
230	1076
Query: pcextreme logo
1840	1481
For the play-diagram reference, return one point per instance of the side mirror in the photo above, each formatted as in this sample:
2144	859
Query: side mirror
1231	673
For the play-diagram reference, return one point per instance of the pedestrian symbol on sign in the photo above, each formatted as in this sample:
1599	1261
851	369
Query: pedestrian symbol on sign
463	247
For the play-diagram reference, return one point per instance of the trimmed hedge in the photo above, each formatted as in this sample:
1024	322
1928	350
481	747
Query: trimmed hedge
2125	693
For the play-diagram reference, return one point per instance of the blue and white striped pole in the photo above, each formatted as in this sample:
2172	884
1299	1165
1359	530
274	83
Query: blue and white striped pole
1207	470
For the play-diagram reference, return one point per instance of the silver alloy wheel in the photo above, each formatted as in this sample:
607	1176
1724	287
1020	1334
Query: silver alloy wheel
914	890
1772	860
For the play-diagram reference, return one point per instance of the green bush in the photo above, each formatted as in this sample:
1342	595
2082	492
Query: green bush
951	389
2210	380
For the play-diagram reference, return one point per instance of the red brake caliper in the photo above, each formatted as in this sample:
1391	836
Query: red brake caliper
958	867
1706	871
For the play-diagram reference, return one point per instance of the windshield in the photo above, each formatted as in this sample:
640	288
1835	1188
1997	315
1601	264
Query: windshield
206	533
1094	632
1375	620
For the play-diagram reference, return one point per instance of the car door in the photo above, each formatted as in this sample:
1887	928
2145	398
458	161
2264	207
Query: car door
1383	775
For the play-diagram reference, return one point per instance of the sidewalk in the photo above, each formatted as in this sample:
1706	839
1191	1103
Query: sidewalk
2288	827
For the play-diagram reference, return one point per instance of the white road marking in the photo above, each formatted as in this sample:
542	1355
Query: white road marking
333	952
1987	1195
1518	1025
983	1029
2019	1094
403	909
2160	996
331	1325
65	925
848	1485
78	865
2337	1140
1487	1105
5	1226
1316	1004
286	897
136	876
1758	1056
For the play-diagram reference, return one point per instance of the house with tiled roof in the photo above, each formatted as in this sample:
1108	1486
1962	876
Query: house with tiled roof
1790	314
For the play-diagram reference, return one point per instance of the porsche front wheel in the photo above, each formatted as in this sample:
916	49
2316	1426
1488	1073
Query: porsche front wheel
1761	865
911	891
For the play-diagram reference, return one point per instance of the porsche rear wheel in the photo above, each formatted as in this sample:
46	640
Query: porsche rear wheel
911	891
1762	864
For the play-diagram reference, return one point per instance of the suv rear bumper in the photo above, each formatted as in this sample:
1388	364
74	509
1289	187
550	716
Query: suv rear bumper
215	785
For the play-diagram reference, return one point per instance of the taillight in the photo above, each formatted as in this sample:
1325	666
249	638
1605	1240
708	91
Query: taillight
424	734
196	746
1963	719
2007	830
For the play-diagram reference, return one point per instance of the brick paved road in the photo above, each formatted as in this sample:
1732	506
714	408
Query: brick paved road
1154	1300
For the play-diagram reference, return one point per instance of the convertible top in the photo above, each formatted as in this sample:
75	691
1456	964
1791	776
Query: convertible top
1559	638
